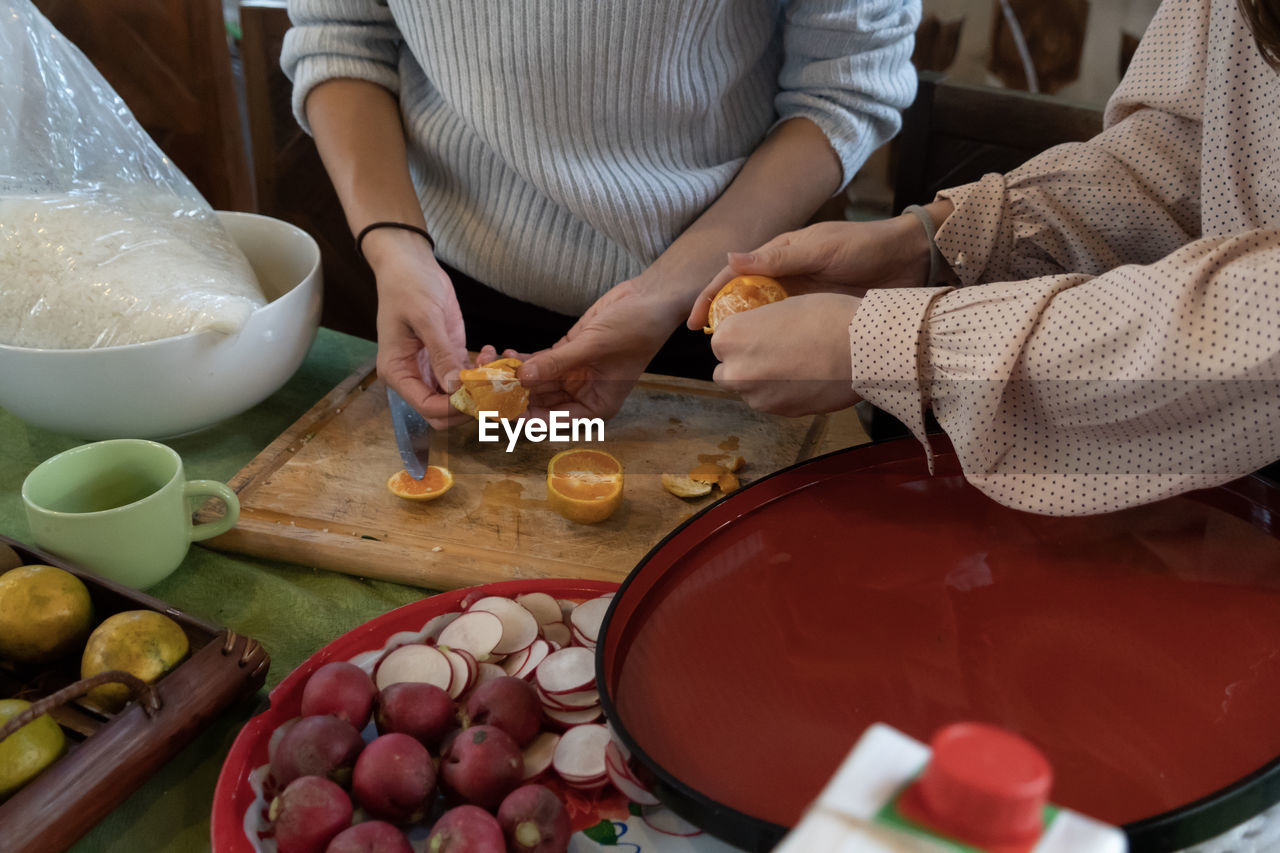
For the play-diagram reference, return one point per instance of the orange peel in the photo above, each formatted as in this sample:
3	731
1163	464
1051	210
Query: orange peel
584	485
433	484
742	294
685	487
492	387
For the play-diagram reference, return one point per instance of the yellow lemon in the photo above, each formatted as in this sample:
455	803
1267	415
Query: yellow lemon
143	643
28	751
45	614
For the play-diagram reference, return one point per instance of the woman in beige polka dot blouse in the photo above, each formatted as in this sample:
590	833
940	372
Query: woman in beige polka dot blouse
1108	330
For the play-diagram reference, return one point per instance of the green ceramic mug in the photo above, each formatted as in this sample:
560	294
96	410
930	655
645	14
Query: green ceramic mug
120	508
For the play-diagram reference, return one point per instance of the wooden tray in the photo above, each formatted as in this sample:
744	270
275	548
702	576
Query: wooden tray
110	756
317	495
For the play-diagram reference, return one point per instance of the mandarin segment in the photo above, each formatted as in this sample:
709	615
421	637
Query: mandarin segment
434	483
742	294
684	487
492	387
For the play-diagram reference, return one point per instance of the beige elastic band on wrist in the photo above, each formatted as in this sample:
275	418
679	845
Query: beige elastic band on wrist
938	265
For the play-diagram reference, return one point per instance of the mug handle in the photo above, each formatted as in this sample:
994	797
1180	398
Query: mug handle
212	488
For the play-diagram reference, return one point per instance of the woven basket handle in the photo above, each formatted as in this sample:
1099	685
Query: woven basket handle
141	692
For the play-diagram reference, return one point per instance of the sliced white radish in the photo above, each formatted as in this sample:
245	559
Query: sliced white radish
461	672
436	624
519	628
477	631
588	616
580	753
588	784
573	718
537	653
664	820
515	661
543	607
567	671
488	672
473	666
415	663
624	780
537	755
623	751
580	640
566	607
558	633
570	701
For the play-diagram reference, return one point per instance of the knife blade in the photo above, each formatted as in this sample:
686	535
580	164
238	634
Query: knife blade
413	435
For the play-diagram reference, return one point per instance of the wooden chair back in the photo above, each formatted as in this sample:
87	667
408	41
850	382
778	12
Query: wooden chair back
170	61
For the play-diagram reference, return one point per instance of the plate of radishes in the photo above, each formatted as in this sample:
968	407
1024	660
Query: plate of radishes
468	721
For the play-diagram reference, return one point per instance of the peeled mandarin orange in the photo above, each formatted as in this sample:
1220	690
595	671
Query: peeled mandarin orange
742	294
492	387
584	485
433	484
685	487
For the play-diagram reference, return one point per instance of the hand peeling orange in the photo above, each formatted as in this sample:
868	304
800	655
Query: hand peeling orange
742	294
492	387
584	485
433	484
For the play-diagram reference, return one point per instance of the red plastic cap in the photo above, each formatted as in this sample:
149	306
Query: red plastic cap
985	783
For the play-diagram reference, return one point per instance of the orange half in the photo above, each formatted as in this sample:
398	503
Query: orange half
433	484
742	294
492	387
584	485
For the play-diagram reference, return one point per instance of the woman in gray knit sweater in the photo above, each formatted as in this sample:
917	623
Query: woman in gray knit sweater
594	158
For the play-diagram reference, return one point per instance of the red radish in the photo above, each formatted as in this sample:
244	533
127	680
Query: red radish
372	836
308	814
588	616
624	780
395	779
466	829
534	821
580	640
273	743
342	689
519	628
558	633
415	663
481	765
477	631
567	671
317	746
537	755
543	607
509	703
517	660
422	711
572	718
461	673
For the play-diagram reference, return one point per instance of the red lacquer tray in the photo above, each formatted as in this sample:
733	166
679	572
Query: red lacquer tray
234	794
1139	650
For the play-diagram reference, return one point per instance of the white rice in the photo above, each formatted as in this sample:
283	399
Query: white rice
81	272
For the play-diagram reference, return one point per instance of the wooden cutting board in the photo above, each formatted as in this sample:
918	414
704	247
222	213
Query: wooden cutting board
317	495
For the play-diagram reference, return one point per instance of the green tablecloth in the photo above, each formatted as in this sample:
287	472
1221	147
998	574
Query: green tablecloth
292	610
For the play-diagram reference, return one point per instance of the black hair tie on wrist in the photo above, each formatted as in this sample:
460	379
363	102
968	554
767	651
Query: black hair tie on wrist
403	226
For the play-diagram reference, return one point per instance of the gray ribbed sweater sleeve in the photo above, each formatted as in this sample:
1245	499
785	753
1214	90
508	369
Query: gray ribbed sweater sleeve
559	146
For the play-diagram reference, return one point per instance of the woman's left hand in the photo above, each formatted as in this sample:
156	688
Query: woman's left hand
790	358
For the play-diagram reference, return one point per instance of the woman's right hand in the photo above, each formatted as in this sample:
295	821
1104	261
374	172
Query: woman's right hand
421	337
831	257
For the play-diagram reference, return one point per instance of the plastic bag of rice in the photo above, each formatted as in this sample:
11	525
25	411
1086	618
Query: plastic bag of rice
78	272
103	240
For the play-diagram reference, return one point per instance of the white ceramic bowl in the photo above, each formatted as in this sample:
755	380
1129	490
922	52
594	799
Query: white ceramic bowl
165	388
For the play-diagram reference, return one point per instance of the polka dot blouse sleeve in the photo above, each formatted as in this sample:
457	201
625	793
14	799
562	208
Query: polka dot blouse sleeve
1116	339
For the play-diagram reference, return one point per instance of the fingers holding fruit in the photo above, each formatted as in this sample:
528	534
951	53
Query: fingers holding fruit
789	358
